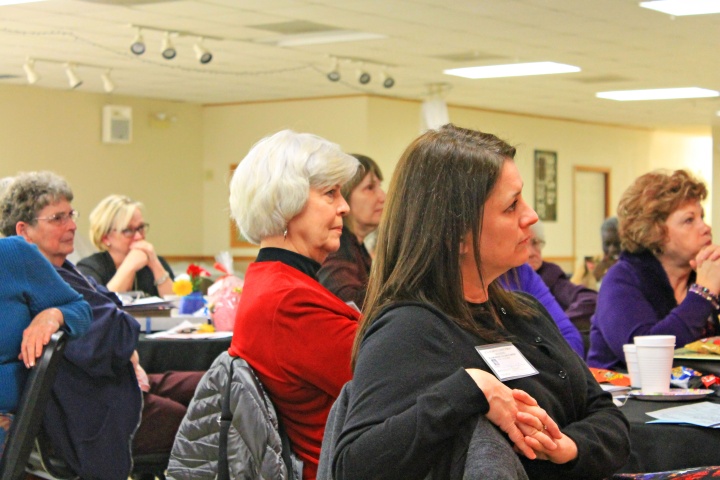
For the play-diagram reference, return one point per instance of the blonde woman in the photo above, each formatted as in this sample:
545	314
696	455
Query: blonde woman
126	260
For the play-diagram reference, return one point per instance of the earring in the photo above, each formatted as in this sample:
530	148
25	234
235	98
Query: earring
285	234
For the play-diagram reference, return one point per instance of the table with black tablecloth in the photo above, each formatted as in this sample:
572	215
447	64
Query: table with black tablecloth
659	447
158	355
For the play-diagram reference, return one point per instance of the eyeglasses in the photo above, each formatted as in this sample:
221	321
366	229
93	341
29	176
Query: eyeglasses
60	219
130	232
536	242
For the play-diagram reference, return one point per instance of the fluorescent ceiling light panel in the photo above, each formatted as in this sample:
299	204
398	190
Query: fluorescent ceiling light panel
658	94
331	36
17	2
680	8
512	70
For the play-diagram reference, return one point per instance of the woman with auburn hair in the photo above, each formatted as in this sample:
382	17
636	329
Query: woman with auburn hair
439	351
296	335
667	279
126	260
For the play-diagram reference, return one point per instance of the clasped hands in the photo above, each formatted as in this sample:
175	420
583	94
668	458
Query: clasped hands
141	253
532	431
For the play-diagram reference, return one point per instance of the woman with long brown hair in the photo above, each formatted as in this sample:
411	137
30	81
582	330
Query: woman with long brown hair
442	347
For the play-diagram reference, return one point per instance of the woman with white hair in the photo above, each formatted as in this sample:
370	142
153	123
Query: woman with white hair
297	336
577	301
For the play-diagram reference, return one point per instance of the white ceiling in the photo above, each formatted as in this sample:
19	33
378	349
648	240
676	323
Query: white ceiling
617	44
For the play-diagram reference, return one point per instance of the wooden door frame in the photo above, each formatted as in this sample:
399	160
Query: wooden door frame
582	168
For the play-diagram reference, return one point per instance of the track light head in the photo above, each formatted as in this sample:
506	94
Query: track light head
167	49
73	79
387	81
138	45
203	54
364	77
108	84
32	75
334	74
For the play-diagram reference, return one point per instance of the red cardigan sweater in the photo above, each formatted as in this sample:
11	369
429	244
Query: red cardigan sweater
297	336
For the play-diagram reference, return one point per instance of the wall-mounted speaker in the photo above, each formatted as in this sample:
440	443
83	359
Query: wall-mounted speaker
117	124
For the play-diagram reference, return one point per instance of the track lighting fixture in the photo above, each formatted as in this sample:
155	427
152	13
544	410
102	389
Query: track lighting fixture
108	84
203	54
364	77
387	81
73	79
138	45
334	74
32	75
70	70
167	49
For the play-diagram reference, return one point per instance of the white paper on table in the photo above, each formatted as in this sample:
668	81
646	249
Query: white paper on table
148	301
179	331
703	414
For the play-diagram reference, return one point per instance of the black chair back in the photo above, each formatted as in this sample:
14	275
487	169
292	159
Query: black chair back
31	407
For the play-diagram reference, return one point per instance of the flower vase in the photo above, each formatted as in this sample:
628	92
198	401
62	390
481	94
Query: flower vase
191	303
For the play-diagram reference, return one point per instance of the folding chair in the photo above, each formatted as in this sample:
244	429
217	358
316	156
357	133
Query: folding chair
31	407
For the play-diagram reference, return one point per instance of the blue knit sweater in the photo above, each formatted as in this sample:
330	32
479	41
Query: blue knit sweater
30	285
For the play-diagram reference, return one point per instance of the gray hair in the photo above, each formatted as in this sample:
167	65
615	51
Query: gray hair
272	183
29	193
5	184
538	230
610	223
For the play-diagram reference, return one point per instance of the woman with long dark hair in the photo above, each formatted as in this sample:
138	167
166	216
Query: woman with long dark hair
442	348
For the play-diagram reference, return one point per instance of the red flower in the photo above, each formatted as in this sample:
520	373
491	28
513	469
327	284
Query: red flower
197	271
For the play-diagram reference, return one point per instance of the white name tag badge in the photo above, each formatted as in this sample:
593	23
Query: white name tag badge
506	361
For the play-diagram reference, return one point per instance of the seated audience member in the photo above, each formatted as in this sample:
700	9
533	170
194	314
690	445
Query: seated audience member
345	272
583	273
296	335
577	301
126	260
420	385
667	279
591	270
96	404
525	279
610	246
36	303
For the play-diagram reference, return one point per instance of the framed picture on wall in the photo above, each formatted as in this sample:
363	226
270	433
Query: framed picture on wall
546	185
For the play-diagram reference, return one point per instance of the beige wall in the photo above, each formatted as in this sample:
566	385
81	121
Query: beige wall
42	129
383	127
180	169
230	131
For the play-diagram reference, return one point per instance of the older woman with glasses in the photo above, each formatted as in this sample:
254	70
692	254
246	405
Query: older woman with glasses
104	407
577	301
126	260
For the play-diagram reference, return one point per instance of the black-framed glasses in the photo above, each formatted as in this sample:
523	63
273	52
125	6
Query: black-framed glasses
60	218
130	232
537	243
